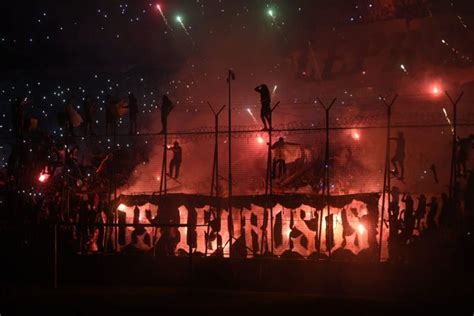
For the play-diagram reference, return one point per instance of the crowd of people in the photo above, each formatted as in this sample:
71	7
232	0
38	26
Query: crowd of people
81	193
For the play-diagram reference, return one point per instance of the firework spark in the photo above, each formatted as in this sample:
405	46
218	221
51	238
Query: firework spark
251	114
449	121
180	21
164	17
275	87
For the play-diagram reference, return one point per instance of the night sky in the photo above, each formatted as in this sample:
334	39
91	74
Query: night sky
44	34
54	51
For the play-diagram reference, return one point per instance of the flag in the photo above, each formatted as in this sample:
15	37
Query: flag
74	117
121	108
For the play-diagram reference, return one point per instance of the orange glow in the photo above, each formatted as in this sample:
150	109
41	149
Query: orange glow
435	90
361	229
121	207
355	135
260	140
44	176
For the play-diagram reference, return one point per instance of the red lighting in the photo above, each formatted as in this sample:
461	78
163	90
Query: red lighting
43	177
355	135
121	207
260	140
435	90
361	229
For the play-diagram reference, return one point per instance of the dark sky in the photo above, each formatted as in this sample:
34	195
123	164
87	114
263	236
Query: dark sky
55	50
90	33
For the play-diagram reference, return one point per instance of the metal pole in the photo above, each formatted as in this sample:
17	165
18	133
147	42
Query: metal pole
230	77
55	256
326	172
270	182
326	185
190	260
114	177
215	165
163	180
269	177
453	184
386	177
165	160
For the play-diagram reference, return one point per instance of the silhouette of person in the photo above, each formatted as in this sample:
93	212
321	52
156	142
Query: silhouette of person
394	242
469	203
420	211
110	115
175	162
464	148
399	157
133	113
430	220
89	110
408	216
166	108
70	116
265	100
17	107
279	162
445	215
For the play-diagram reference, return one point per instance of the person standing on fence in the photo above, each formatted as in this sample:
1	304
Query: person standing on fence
133	113
399	157
175	162
266	110
166	108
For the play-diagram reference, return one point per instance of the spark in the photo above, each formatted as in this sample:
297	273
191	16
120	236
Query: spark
271	13
260	140
462	22
121	207
403	68
275	87
249	111
179	19
43	177
163	16
449	121
435	90
355	135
